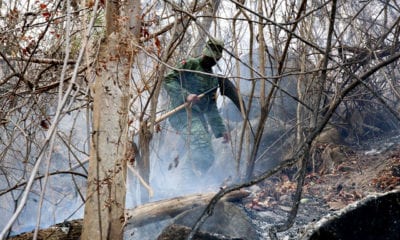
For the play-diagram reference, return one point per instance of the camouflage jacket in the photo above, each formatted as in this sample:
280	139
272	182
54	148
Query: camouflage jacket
180	83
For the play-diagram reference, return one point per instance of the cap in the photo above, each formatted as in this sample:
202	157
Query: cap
214	48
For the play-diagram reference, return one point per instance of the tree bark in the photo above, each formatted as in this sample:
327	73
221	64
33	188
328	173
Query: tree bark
105	196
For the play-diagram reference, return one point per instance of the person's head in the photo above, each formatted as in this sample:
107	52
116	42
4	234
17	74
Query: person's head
212	52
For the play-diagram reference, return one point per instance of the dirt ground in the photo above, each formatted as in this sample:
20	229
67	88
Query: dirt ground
360	171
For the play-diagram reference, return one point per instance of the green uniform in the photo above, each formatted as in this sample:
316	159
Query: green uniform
193	123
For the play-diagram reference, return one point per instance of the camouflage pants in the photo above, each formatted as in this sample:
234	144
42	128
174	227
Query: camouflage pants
199	153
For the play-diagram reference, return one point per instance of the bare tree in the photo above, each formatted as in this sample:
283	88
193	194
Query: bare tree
105	197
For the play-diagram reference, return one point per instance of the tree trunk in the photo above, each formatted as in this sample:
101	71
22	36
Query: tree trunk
105	196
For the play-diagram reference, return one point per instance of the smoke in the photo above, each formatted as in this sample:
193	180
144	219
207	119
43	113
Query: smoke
168	173
61	200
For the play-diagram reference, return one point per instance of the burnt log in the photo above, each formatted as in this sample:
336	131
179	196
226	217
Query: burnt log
169	208
70	230
376	217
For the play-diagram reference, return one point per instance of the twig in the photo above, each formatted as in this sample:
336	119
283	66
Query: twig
40	177
43	60
141	180
296	199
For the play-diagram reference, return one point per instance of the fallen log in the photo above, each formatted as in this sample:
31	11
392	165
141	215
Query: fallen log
169	208
70	230
374	217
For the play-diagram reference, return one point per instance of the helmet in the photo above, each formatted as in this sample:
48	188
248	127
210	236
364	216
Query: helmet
213	48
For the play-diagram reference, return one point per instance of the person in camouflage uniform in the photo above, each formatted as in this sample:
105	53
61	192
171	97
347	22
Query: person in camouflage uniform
184	85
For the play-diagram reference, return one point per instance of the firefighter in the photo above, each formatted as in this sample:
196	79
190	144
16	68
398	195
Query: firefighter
194	77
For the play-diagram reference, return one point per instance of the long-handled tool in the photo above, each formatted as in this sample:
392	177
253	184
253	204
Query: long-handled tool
180	107
227	88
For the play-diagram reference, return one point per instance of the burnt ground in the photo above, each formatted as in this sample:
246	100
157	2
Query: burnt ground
362	170
354	173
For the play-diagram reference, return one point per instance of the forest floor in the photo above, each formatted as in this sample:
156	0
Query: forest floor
362	171
370	168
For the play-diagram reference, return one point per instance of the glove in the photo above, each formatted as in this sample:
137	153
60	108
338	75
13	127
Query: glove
227	137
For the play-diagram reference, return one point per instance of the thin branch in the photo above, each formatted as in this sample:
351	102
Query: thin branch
40	177
42	60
